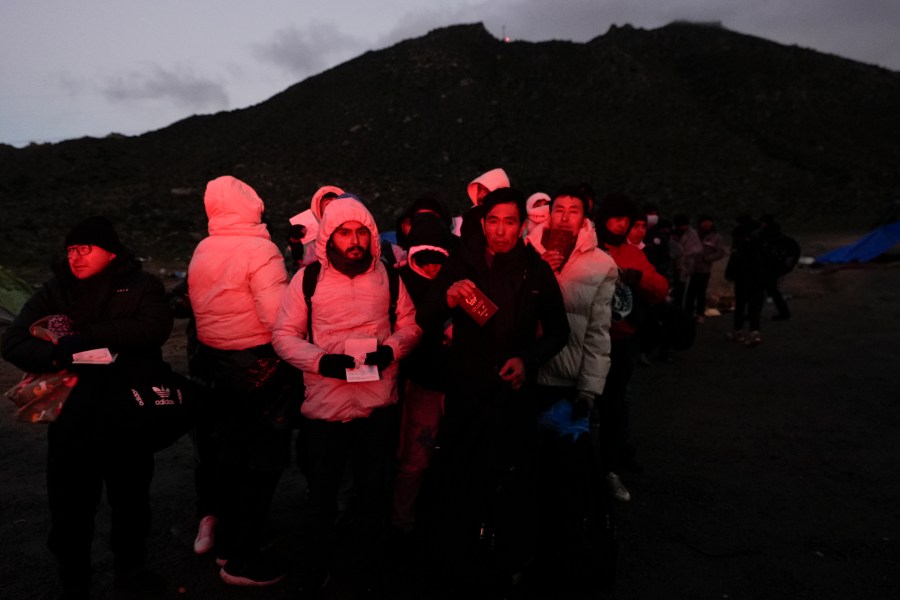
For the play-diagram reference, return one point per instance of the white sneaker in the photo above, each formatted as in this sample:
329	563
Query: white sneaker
619	491
206	535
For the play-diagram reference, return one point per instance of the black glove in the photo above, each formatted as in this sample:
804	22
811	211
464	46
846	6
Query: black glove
631	277
381	358
67	346
335	365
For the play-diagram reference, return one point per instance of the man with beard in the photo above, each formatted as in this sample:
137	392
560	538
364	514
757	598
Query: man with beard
349	416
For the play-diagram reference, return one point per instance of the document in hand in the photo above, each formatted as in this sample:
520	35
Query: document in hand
97	356
479	307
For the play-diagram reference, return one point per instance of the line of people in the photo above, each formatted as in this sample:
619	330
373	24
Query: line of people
416	373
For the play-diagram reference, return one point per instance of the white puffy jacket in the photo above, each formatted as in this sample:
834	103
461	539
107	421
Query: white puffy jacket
236	277
344	307
588	282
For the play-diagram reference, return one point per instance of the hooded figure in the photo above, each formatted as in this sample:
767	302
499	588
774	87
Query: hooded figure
324	195
351	300
470	231
236	276
346	420
538	208
236	279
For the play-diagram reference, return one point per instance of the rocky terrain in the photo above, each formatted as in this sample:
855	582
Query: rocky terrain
693	117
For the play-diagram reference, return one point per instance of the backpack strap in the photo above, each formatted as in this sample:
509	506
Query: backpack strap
310	280
394	290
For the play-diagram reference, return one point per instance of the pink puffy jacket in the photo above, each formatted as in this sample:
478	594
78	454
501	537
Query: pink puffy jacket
344	307
236	277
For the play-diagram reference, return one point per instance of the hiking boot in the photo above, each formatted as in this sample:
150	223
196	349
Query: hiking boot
619	491
140	581
206	535
753	339
252	573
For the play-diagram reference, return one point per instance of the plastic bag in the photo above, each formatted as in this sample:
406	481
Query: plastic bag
40	396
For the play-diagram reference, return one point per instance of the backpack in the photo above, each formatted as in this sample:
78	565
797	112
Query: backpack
311	279
782	254
622	301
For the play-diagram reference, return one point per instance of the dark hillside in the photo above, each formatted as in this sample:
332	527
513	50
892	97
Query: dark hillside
692	117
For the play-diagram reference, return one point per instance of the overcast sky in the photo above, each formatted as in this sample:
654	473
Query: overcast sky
70	68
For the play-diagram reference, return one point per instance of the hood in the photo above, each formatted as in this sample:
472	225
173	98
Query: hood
493	179
428	232
317	199
233	208
346	207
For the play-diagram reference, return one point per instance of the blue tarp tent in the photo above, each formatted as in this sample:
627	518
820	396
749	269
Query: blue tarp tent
868	247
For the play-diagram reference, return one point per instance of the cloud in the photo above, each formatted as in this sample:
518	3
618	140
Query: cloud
180	87
310	51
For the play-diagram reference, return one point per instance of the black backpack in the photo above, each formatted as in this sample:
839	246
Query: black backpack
311	279
782	254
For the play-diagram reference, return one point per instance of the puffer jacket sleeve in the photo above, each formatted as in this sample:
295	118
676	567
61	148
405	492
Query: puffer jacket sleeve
268	282
289	336
595	359
407	333
653	286
554	323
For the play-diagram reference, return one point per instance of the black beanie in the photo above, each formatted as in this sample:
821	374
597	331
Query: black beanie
96	231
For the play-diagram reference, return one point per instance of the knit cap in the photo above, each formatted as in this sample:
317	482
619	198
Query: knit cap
95	231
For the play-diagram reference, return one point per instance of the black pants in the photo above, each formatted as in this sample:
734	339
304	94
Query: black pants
696	294
610	420
251	449
368	444
774	293
85	454
748	303
484	527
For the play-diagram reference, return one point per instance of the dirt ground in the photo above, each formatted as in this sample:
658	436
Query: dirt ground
771	472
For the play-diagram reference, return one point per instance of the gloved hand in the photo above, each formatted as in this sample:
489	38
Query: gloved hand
381	358
335	365
631	277
582	405
65	347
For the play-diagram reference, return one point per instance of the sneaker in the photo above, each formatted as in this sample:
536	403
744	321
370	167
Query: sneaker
736	336
619	491
206	535
251	573
140	581
753	339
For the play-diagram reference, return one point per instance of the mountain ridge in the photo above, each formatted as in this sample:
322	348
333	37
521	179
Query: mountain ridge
692	117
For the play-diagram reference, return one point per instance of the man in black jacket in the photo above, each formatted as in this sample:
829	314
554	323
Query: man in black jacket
111	303
489	438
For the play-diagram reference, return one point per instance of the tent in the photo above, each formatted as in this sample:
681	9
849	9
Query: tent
870	246
13	294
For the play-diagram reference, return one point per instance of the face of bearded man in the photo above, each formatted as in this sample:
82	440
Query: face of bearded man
352	240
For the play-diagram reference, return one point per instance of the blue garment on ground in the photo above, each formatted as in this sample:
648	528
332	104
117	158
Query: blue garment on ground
558	418
870	246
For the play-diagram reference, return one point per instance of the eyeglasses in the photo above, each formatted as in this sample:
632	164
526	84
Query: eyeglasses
80	250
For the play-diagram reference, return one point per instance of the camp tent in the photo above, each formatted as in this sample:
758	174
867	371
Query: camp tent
870	246
13	294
